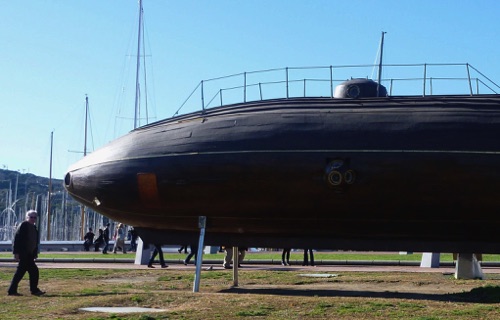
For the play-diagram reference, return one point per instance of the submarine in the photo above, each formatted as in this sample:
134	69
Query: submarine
359	170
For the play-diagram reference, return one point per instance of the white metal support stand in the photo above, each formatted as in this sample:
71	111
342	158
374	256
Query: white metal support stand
468	267
142	253
202	222
430	260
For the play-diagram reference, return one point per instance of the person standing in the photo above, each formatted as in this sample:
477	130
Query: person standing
311	255
25	250
228	258
285	257
194	252
105	237
133	239
119	238
241	255
88	239
99	241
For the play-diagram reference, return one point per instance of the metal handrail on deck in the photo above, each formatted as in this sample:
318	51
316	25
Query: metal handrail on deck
236	88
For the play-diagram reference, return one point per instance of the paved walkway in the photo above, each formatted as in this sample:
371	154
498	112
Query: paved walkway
253	266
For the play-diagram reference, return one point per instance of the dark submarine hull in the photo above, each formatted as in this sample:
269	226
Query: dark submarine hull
385	173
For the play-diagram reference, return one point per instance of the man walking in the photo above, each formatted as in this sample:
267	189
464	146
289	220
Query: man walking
25	250
119	239
157	251
105	237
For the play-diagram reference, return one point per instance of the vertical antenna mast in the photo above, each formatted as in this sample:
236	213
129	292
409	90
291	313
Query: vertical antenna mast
137	85
380	63
86	117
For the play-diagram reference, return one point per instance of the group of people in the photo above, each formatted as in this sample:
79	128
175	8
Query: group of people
104	237
308	257
25	250
228	258
26	239
119	237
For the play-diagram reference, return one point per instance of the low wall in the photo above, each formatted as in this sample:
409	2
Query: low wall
56	246
59	245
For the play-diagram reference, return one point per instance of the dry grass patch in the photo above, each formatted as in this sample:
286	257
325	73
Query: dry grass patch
262	294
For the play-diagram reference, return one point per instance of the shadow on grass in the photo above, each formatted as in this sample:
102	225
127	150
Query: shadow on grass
487	294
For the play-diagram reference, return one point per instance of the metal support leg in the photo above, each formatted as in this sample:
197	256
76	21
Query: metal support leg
236	262
202	222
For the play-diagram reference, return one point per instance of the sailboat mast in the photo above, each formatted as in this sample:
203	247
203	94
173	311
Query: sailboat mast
380	63
49	204
138	65
84	154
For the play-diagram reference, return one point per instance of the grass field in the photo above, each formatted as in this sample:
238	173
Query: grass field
274	293
262	294
295	256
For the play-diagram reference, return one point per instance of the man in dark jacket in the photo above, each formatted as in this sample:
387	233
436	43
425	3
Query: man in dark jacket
88	240
106	238
25	250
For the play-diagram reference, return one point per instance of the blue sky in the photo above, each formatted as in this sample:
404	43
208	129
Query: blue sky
54	52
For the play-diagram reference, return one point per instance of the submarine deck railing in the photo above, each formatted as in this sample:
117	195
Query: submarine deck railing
319	81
